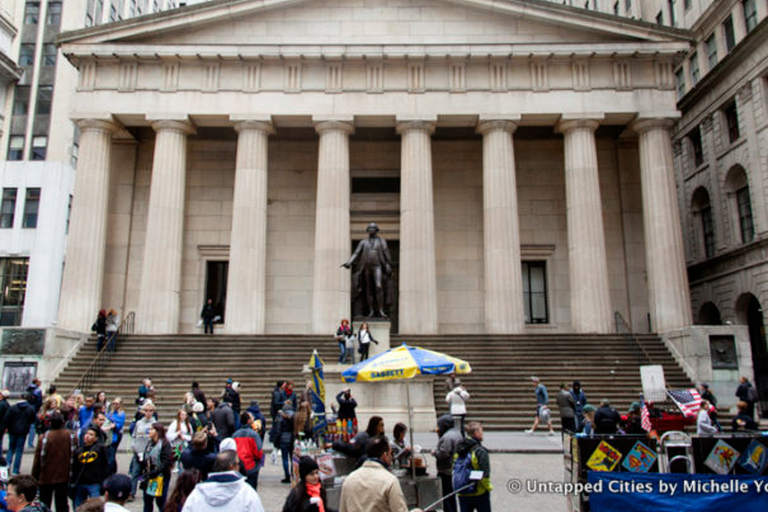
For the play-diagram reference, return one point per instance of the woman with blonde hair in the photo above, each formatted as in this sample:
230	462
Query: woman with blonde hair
179	434
301	421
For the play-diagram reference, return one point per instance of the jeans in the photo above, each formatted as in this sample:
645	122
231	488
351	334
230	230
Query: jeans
15	451
208	323
85	491
100	342
286	450
252	478
47	492
160	500
32	434
449	504
135	471
342	351
112	337
480	503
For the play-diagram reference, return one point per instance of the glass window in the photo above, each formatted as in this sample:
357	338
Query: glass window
54	13
711	51
49	54
535	292
8	208
21	101
745	215
680	79
44	99
27	54
708	229
16	147
729	34
694	67
698	150
13	280
732	121
750	14
39	147
31	13
31	207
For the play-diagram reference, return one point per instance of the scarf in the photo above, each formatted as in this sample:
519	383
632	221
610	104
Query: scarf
313	491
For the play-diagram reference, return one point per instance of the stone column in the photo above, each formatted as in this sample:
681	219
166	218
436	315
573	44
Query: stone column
246	290
160	300
588	264
331	290
503	276
86	243
418	281
668	292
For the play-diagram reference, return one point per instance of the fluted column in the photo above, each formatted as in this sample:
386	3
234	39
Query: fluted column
669	297
418	281
246	287
159	303
588	264
330	293
503	277
86	243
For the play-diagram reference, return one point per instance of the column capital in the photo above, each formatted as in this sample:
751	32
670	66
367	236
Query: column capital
571	122
416	125
490	125
184	127
322	127
91	124
645	124
261	126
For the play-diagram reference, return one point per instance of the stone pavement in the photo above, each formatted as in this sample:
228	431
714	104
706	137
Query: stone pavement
515	458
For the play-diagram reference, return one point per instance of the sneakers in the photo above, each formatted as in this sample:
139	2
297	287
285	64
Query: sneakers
529	431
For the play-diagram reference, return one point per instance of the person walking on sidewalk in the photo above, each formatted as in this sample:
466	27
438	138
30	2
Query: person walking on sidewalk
542	409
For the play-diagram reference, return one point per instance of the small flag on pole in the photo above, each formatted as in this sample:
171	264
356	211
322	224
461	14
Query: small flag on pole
688	400
645	417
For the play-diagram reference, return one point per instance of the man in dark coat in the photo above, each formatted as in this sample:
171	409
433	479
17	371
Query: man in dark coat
607	418
17	422
207	314
747	393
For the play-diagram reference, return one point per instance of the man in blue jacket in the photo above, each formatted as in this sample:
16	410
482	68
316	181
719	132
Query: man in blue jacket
17	422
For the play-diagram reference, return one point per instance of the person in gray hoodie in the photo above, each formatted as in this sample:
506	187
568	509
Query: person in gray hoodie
225	489
448	442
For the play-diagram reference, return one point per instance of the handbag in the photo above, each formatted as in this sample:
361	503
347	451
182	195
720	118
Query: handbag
154	486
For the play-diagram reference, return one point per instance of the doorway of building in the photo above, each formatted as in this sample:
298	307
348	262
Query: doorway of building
750	310
216	287
359	303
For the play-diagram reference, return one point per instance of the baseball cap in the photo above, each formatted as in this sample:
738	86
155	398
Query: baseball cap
118	486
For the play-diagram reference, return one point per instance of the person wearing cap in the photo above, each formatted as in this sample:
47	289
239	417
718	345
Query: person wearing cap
587	426
224	490
309	494
634	423
607	419
581	400
285	437
117	490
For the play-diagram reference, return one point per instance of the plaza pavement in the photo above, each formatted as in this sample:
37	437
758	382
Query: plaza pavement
515	457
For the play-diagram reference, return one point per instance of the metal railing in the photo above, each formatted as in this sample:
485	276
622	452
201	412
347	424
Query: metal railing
625	331
102	358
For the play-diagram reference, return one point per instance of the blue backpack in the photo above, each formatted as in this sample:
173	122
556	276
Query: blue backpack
462	468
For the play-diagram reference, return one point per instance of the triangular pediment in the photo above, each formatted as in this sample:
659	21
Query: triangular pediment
376	22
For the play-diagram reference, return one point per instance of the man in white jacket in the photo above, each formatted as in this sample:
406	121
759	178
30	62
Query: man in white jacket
456	399
225	489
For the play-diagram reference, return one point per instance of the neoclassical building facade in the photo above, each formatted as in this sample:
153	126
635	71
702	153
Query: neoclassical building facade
517	155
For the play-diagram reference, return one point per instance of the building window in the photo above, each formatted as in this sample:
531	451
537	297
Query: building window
44	98
27	55
31	13
13	280
672	20
54	13
750	13
39	147
21	101
745	215
31	207
711	51
687	4
694	67
729	34
708	229
732	121
16	147
216	287
535	292
660	18
49	54
8	208
698	149
680	80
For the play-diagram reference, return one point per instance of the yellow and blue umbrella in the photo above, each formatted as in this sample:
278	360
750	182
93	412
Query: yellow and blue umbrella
317	394
404	362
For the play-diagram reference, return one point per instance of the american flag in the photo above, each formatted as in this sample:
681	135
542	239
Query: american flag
688	400
645	417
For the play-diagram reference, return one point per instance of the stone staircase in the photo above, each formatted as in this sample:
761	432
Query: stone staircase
502	394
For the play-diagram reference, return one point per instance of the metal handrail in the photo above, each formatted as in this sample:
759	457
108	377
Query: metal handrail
623	329
101	360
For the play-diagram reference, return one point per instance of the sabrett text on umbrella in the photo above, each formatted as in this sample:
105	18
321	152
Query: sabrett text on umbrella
387	373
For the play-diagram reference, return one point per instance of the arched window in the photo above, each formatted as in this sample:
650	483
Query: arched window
709	314
738	191
701	208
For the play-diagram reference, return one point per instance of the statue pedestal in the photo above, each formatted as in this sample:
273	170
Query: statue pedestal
379	328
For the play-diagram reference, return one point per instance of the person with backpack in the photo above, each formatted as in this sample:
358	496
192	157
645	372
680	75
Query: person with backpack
471	456
747	393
